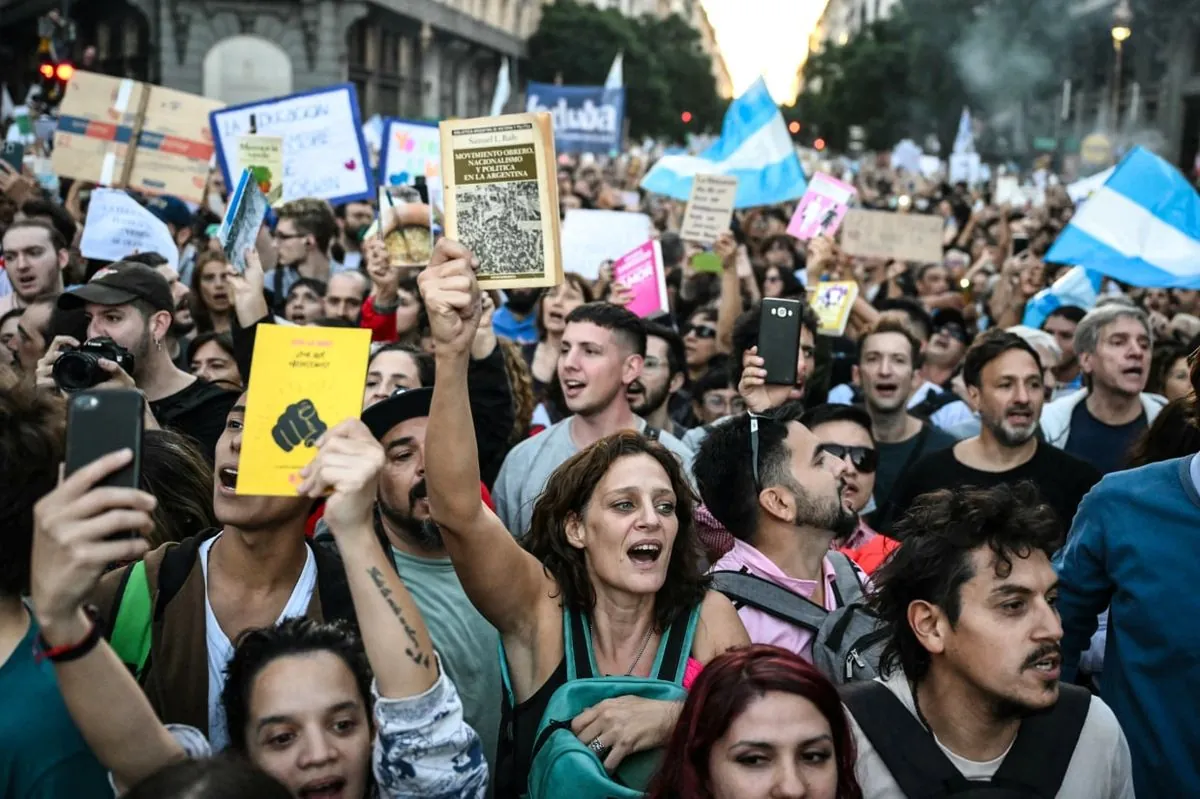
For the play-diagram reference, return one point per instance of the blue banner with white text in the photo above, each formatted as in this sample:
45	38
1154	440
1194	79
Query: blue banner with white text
587	119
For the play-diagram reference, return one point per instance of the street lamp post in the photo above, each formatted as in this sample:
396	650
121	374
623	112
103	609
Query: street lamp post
1122	19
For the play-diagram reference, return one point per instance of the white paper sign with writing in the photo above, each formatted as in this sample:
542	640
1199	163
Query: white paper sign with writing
709	209
325	154
117	227
590	237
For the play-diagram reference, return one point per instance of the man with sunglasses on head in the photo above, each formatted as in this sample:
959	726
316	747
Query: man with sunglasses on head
766	479
845	432
1003	374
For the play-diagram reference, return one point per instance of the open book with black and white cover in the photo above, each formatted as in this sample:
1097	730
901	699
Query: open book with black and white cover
501	197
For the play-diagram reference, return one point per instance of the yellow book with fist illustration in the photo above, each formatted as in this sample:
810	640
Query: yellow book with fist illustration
305	380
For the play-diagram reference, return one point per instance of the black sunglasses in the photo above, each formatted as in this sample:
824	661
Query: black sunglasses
701	331
955	331
865	459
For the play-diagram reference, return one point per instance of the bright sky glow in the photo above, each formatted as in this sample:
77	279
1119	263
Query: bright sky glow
764	37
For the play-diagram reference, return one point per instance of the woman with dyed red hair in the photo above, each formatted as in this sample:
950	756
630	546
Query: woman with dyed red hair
759	722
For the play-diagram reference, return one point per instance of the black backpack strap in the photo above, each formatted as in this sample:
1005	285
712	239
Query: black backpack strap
1041	754
176	565
333	585
916	762
764	595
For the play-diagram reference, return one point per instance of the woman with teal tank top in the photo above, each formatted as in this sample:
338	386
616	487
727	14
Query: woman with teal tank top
607	581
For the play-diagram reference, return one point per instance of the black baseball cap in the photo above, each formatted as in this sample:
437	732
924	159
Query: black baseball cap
948	316
404	404
119	284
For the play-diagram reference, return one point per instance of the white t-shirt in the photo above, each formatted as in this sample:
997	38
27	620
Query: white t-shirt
220	649
1099	769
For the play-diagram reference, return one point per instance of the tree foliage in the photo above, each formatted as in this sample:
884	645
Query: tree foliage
666	70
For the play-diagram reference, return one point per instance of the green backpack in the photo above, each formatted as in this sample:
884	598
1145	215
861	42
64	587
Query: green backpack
561	762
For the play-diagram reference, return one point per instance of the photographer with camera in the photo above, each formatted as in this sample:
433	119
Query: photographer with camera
130	308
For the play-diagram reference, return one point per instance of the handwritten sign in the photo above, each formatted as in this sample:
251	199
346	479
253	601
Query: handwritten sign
881	234
832	303
117	226
821	208
709	209
306	380
641	271
324	153
410	150
590	237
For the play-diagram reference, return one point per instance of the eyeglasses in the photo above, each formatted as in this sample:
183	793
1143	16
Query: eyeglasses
955	330
864	459
700	331
717	404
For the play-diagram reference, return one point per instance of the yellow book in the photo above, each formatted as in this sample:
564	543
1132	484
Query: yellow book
305	380
501	197
832	302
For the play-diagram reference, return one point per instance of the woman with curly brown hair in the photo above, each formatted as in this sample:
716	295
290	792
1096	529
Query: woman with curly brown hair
760	722
611	552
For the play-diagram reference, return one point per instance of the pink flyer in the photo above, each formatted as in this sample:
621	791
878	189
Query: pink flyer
821	208
641	271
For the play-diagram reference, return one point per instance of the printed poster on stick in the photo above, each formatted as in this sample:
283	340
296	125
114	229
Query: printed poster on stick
324	153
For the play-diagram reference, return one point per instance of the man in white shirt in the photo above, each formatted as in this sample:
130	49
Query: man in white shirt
970	689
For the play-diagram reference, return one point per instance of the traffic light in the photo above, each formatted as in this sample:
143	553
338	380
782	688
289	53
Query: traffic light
55	77
793	127
819	144
686	116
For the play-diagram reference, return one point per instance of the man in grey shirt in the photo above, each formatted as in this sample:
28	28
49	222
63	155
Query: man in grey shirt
603	349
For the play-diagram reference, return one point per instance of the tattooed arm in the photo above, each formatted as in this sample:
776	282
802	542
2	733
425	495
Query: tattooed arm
398	645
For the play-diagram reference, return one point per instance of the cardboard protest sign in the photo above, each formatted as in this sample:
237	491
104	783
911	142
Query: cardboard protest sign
263	156
324	153
306	380
590	237
821	208
118	226
410	150
709	209
832	302
881	234
243	219
101	117
641	271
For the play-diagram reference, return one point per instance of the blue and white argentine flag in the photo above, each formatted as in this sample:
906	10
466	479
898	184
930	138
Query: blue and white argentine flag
1142	227
754	147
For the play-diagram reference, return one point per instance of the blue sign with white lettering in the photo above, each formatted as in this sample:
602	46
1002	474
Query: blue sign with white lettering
587	119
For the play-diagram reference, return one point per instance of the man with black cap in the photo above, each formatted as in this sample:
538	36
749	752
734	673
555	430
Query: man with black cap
131	304
465	640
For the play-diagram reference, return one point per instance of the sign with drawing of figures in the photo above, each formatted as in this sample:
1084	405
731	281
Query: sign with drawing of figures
501	197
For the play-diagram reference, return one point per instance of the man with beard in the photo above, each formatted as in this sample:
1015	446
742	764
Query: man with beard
182	324
970	690
1003	374
767	480
353	218
131	303
35	256
517	318
465	641
663	375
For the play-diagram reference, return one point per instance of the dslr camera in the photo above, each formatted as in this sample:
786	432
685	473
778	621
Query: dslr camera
78	368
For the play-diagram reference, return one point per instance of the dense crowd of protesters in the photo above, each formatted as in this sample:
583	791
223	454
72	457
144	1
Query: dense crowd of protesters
953	550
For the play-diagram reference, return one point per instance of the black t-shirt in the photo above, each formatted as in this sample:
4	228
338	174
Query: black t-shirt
897	458
1061	479
198	412
1104	446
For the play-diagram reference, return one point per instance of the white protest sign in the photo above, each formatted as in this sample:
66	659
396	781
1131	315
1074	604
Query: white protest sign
965	168
117	227
1008	191
325	154
410	150
590	237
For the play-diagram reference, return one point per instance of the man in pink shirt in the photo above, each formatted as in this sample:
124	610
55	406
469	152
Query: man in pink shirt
769	482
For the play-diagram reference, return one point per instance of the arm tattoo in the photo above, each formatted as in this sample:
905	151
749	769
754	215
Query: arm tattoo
413	650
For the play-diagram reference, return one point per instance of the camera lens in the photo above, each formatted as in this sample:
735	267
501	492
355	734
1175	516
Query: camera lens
75	371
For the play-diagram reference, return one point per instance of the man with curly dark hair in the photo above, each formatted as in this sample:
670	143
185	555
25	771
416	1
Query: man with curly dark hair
970	688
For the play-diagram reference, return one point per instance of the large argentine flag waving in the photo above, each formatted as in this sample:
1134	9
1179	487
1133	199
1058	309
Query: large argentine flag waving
754	147
1142	227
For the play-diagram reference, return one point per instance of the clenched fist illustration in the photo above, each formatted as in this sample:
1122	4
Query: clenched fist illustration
297	425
